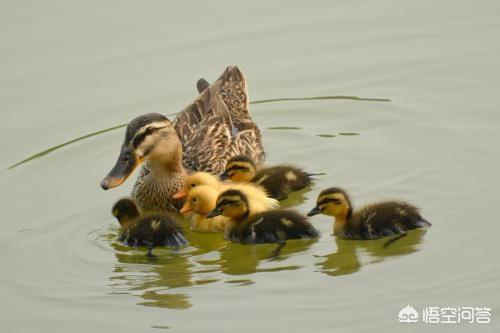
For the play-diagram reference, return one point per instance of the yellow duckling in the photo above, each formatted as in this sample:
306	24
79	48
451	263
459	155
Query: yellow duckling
279	181
148	230
389	218
261	202
273	226
200	201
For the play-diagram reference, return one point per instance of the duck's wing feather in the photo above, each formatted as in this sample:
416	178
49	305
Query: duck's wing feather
217	125
388	219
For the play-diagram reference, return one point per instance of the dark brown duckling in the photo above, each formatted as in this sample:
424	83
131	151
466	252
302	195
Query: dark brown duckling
148	230
272	226
389	218
278	181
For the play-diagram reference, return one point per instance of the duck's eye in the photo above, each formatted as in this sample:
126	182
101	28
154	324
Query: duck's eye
125	159
329	201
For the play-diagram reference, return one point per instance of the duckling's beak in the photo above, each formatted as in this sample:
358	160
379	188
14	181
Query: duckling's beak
124	166
224	175
186	208
180	195
314	211
214	213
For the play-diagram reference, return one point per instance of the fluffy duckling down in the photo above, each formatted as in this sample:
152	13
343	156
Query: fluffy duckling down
260	200
389	218
279	181
200	201
148	230
273	226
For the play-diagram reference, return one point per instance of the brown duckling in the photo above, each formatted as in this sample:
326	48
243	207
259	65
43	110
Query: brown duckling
279	181
388	218
273	226
148	230
261	201
200	201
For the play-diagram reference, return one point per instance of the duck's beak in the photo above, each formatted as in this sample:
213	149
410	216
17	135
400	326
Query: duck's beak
180	195
186	208
224	176
124	166
215	212
314	211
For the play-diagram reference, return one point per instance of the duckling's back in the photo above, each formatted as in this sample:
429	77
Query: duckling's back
274	226
281	180
384	219
155	230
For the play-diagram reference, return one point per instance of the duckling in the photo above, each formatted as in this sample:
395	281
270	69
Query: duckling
261	201
200	201
279	181
216	126
149	230
273	226
389	218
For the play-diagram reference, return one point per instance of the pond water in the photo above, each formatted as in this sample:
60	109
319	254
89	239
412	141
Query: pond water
70	69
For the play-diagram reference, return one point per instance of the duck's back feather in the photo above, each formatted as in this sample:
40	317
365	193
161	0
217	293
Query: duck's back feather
279	181
384	219
155	230
217	125
273	227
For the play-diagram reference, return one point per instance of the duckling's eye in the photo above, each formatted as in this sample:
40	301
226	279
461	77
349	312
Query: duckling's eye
193	185
330	200
195	200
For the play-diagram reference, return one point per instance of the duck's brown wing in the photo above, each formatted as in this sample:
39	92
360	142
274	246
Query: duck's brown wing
205	148
217	125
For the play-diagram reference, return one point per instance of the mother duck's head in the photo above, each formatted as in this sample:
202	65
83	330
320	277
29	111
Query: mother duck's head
148	137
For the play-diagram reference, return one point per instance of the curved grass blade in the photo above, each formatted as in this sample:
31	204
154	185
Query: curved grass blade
352	98
47	151
261	101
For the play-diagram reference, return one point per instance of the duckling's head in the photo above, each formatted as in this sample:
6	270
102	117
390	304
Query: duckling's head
197	179
240	169
333	201
148	137
125	210
232	204
201	200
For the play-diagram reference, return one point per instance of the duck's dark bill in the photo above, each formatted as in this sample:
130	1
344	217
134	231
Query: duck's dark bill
214	213
314	211
124	166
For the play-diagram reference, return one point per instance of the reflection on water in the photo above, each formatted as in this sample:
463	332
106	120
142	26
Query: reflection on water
346	259
169	280
208	259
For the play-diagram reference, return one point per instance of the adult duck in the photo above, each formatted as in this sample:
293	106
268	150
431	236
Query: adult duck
214	127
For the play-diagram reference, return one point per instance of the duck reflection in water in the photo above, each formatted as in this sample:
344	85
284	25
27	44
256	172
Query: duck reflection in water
351	255
241	259
152	280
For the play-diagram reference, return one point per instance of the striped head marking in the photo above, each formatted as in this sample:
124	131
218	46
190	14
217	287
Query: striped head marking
149	136
145	134
334	202
232	204
241	169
